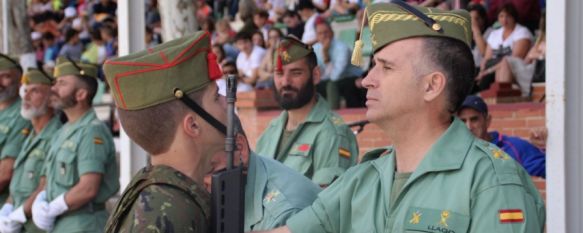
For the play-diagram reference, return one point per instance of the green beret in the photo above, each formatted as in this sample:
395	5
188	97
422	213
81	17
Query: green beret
150	77
70	67
7	62
32	76
288	51
390	22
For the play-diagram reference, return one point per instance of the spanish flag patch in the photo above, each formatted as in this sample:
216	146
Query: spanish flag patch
25	131
511	216
97	140
344	152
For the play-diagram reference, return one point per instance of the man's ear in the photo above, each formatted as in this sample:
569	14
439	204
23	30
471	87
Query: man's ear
243	148
191	125
433	85
81	94
316	75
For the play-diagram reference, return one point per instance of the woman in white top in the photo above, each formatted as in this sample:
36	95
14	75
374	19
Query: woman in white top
511	39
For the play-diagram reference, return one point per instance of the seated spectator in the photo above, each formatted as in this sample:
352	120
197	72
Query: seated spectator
203	11
222	58
151	39
474	113
294	24
257	39
37	46
276	9
51	48
522	71
538	137
249	58
512	39
266	68
309	15
230	68
224	32
480	32
261	21
39	6
341	7
67	22
338	75
108	7
108	34
73	47
96	51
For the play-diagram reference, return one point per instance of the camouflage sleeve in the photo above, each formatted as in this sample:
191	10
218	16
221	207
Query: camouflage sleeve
164	209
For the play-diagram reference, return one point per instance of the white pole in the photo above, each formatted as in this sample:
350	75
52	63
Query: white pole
132	31
5	25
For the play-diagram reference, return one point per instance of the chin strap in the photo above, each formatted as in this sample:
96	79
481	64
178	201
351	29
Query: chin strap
179	94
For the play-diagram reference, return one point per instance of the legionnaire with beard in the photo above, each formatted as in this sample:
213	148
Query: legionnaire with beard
13	128
27	181
307	136
81	170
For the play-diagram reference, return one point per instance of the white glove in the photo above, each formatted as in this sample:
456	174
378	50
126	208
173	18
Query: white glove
6	209
40	213
13	223
58	206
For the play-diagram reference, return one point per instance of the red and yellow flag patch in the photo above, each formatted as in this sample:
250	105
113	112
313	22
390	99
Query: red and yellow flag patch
97	140
25	131
511	216
344	152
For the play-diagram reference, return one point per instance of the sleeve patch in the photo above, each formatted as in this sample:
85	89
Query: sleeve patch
344	153
97	140
511	216
25	131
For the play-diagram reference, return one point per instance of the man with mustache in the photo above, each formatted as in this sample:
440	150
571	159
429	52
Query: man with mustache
273	192
307	136
13	128
28	181
81	170
436	177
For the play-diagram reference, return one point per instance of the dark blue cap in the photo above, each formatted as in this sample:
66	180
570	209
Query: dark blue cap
476	103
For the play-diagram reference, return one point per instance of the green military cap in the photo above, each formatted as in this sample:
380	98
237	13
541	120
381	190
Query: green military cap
390	22
7	62
67	66
289	50
153	76
33	75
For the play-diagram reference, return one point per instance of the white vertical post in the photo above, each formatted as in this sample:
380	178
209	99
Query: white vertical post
564	109
132	31
5	25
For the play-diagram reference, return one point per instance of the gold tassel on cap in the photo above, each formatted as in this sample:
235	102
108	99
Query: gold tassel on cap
357	52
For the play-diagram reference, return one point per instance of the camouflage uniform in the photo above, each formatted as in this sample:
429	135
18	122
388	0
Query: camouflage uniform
161	199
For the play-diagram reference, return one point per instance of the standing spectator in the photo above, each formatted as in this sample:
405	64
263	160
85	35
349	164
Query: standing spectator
266	68
474	113
338	75
249	58
51	48
309	15
294	24
73	47
512	39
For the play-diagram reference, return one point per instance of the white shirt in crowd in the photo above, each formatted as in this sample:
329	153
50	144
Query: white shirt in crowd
520	32
310	30
246	64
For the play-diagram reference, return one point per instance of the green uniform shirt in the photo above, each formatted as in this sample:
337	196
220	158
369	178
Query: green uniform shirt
462	185
13	131
161	199
84	146
321	148
274	193
30	161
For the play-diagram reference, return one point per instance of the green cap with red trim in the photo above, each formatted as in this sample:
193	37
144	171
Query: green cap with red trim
150	77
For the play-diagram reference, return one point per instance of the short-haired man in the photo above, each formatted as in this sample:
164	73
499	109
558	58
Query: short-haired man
28	180
273	192
13	127
81	170
437	177
249	58
307	136
169	104
474	113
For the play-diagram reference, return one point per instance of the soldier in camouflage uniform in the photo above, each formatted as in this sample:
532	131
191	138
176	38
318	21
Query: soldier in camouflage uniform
273	192
27	181
169	104
307	136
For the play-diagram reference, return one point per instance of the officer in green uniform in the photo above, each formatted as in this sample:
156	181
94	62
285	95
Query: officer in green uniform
13	128
307	136
436	177
81	170
26	179
273	192
168	103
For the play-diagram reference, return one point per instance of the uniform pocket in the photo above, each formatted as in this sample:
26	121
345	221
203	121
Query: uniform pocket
435	220
300	157
66	170
32	168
